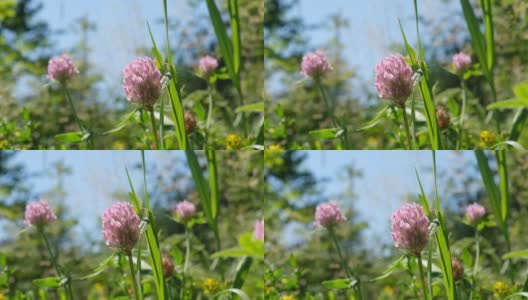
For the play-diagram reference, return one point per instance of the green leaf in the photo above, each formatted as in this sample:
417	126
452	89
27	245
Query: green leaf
330	133
395	265
231	252
223	41
203	189
253	107
242	272
122	123
70	137
238	292
506	104
521	90
99	269
152	239
519	122
516	254
252	246
379	116
521	294
49	282
339	284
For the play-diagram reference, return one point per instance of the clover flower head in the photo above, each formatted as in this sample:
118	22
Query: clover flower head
61	68
185	210
39	214
207	66
142	81
121	227
410	228
315	65
461	62
475	212
328	215
394	79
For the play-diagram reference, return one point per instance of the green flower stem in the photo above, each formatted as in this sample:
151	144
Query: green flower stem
82	128
186	261
462	113
137	291
422	277
55	264
357	287
407	130
477	257
154	126
209	116
330	107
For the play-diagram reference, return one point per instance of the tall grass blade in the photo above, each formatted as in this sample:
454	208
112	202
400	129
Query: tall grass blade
504	193
204	192
235	31
152	241
174	95
491	187
223	41
427	96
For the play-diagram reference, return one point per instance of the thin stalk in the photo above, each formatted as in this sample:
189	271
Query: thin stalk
407	130
154	126
422	277
76	116
357	287
187	251
477	256
186	262
55	264
137	291
462	113
209	116
330	106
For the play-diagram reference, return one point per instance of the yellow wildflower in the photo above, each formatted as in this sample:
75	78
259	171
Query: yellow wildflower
487	139
501	289
211	286
233	142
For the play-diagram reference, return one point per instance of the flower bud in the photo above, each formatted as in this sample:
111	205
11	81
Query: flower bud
258	234
167	265
475	212
458	269
461	62
190	122
185	210
443	118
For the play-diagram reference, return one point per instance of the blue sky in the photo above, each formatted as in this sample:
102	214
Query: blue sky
121	28
373	28
96	175
388	177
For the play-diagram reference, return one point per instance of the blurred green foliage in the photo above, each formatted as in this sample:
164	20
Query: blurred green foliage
23	257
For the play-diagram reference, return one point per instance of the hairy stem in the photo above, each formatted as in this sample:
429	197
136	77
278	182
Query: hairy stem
462	113
154	126
330	110
209	116
407	130
422	277
135	285
55	264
